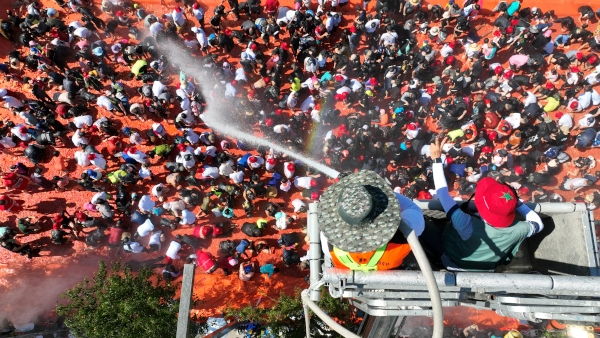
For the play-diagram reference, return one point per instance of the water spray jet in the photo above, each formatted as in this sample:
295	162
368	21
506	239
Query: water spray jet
213	116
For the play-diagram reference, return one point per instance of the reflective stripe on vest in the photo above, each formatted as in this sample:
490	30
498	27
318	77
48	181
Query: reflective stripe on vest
349	262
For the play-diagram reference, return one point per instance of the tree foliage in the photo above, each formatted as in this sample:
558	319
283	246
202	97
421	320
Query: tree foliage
119	304
285	318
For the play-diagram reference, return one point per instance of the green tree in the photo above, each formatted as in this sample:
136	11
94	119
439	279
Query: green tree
285	318
120	304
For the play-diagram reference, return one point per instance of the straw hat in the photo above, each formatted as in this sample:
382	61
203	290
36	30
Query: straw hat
434	30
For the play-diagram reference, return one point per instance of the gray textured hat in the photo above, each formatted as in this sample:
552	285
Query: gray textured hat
360	213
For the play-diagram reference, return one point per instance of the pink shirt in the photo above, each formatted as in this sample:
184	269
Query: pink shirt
518	60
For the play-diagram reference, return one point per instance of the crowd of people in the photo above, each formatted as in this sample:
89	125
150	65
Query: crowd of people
510	90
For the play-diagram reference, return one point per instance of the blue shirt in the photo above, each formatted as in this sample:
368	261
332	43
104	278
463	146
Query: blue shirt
243	161
241	248
268	268
513	8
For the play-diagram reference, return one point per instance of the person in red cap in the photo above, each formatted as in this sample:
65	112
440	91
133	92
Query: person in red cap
478	242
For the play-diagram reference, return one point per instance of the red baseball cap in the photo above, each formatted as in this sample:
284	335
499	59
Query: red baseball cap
496	202
518	170
498	70
559	115
574	70
271	161
509	30
549	85
217	230
579	55
573	105
314	196
205	231
424	195
508	74
252	159
487	149
291	167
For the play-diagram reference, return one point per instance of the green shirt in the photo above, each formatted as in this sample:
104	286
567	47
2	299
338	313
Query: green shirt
137	66
22	224
487	248
455	134
162	150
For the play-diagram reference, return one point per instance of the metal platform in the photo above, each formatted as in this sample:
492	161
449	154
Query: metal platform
554	276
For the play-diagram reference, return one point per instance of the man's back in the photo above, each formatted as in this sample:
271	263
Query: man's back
487	247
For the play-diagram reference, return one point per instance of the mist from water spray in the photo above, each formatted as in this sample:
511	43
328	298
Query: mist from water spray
217	117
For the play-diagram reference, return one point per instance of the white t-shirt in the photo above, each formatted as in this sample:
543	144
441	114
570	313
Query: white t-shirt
355	85
83	120
308	103
369	25
78	140
158	88
565	120
388	38
302	182
530	99
146	203
145	228
99	161
173	249
104	102
210	172
99	196
297	204
82	32
237	177
584	120
81	158
155	191
446	50
259	162
134	247
226	168
187	217
155	238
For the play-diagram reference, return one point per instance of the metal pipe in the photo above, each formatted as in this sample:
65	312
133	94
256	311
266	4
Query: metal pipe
324	317
432	288
314	254
306	318
406	278
545	208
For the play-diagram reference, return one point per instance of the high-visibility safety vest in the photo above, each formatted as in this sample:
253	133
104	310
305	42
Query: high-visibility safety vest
387	257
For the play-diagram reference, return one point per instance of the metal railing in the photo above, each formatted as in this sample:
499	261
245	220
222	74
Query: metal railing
532	297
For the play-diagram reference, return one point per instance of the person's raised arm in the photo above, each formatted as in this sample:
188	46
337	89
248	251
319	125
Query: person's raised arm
460	220
531	217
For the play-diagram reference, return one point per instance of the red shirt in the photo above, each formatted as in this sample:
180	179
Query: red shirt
205	260
271	5
115	235
9	203
13	181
